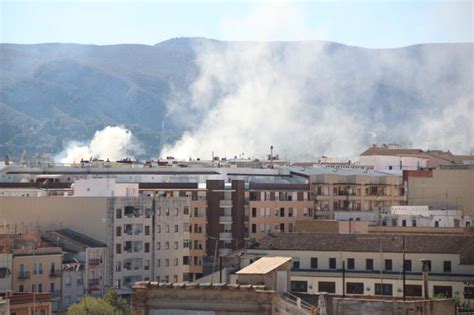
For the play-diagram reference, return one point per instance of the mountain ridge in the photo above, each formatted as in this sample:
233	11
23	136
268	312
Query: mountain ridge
68	91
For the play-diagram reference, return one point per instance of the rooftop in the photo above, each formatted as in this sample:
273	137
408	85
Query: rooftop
263	266
447	244
323	170
60	237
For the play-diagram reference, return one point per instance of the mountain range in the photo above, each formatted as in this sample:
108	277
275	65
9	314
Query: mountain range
51	94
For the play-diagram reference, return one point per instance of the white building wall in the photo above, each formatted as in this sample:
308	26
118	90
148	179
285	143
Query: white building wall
6	280
104	187
385	162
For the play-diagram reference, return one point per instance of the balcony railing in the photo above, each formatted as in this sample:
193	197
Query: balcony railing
225	219
225	235
55	273
24	275
225	203
94	261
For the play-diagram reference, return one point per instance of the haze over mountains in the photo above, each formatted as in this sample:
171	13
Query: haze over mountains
200	95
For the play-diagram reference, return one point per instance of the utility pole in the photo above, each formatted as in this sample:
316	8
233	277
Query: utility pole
403	266
343	278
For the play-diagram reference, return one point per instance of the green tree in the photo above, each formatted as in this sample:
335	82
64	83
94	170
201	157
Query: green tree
91	306
120	305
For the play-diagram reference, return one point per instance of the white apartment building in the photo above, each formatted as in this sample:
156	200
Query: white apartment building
6	260
373	264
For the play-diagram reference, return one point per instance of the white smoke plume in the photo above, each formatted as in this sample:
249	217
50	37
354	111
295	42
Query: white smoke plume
255	94
112	142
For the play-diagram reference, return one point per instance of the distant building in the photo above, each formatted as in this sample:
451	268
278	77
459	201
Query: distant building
6	260
449	187
394	157
84	264
351	189
38	270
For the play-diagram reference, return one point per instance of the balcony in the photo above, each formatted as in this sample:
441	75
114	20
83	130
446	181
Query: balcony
225	219
94	282
24	275
225	235
94	262
225	204
55	273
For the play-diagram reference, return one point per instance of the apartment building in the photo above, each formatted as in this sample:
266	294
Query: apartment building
130	231
448	187
38	270
352	189
372	265
84	264
275	207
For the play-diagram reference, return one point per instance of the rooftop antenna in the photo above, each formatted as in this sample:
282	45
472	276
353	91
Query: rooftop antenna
271	156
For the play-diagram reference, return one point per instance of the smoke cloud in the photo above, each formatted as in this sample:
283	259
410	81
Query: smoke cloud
112	142
312	98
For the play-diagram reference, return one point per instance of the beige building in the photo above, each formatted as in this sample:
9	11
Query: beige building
335	189
276	208
371	265
449	187
38	270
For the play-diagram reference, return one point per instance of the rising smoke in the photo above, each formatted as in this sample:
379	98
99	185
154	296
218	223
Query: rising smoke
112	142
309	99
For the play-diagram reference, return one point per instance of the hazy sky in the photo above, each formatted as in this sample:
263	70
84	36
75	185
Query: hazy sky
375	24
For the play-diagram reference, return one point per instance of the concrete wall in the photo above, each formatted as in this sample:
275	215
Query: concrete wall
86	215
382	307
443	189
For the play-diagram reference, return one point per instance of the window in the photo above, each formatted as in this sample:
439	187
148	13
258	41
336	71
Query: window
67	280
296	264
369	264
332	263
176	228
314	262
176	245
118	231
282	212
413	290
21	288
51	287
299	286
404	222
254	212
185	260
446	266
254	228
40	287
167	245
436	224
147	247
176	262
118	248
350	263
167	262
388	264
407	265
167	229
444	291
354	288
282	227
469	293
413	223
176	212
290	212
186	211
119	213
386	287
147	230
329	287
